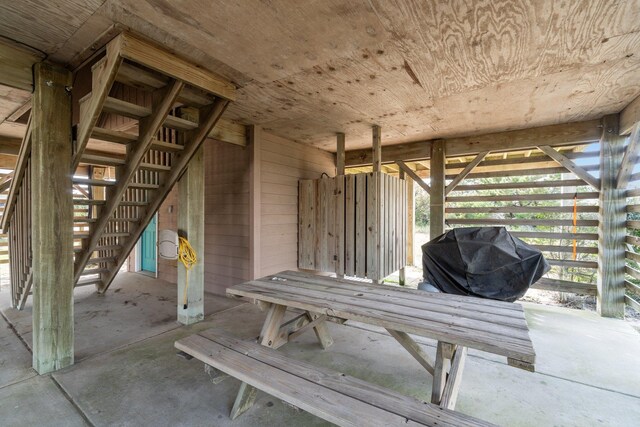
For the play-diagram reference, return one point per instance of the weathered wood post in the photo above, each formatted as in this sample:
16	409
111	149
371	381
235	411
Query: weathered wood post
52	219
612	219
437	199
374	211
191	226
340	220
402	277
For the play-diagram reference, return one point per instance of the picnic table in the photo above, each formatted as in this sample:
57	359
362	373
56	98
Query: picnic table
456	322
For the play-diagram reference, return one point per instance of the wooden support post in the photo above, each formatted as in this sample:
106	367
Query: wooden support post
340	207
340	153
255	160
191	227
410	221
52	220
437	196
374	211
402	276
377	149
612	220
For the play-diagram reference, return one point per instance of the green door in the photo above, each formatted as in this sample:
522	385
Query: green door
148	247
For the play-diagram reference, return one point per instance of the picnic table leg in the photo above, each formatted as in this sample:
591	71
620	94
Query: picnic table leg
268	338
321	330
444	353
244	400
414	349
451	389
450	360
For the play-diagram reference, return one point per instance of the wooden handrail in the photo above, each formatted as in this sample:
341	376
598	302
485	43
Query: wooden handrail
18	174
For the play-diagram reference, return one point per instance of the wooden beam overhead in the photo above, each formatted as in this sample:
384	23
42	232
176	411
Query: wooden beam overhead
406	169
629	116
466	171
571	166
407	152
231	132
16	64
630	158
553	135
157	58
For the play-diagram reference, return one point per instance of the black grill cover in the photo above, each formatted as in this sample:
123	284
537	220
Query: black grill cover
486	262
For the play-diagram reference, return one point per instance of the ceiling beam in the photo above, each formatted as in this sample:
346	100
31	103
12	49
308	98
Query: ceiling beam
16	64
554	135
629	116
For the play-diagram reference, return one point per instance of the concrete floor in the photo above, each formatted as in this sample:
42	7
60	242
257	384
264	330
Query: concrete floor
127	372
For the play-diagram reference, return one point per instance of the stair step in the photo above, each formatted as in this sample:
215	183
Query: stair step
134	111
134	203
83	220
88	202
124	108
94	271
124	219
119	137
143	186
96	182
102	160
152	167
101	260
166	146
134	76
87	282
99	248
114	235
115	136
81	235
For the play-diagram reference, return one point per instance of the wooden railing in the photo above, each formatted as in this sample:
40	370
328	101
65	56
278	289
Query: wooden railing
632	244
16	223
18	230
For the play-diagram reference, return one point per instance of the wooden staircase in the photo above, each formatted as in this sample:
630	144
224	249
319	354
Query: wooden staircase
144	159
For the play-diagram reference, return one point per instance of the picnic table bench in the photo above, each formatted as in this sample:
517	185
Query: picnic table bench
456	322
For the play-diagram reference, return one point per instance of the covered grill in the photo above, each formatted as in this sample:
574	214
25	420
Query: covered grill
486	262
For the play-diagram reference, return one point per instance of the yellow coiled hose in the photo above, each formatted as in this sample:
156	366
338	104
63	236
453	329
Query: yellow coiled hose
188	257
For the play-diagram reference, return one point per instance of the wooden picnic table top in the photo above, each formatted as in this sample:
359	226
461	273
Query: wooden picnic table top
493	326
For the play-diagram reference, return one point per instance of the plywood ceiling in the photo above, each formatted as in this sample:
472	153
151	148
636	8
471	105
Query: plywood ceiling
420	69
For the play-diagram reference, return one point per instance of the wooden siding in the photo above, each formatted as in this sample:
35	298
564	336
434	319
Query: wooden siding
226	254
283	164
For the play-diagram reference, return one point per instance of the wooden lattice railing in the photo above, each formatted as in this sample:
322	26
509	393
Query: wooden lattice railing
632	240
16	223
537	199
